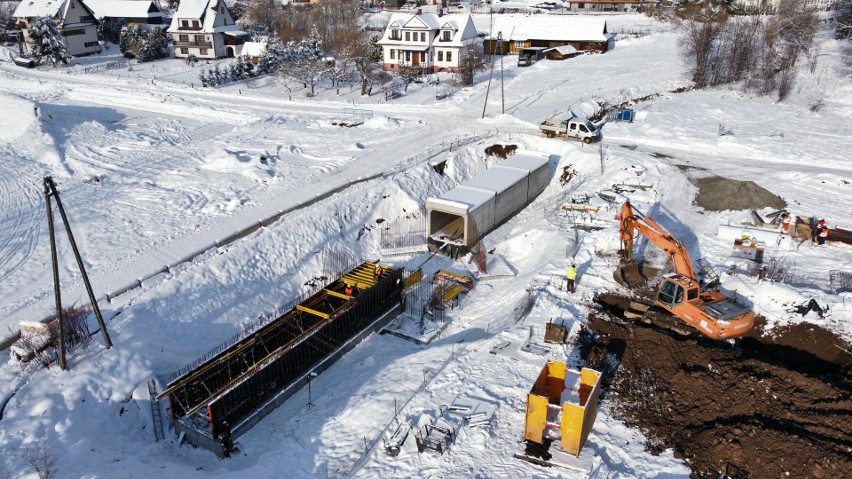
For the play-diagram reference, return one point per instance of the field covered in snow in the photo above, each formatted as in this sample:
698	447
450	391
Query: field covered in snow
153	170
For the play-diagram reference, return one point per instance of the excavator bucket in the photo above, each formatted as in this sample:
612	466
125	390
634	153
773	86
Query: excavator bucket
627	274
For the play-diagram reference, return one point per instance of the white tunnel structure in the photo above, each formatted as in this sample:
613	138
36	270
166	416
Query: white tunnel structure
461	216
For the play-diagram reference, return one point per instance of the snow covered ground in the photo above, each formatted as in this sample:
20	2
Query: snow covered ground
151	172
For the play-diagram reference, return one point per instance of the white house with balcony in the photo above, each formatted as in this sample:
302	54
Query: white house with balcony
205	28
74	20
431	41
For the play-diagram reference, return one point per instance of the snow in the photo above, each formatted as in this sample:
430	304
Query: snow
153	173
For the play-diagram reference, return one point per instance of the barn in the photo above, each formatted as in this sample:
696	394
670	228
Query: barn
512	33
460	217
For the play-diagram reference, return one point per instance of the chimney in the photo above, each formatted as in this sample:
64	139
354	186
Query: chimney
419	11
440	12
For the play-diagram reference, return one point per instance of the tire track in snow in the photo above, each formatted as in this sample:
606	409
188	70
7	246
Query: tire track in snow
20	216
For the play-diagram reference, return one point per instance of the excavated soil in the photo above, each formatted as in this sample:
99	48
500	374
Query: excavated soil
766	407
716	193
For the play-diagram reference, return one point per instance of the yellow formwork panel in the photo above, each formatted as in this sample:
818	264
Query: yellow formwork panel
413	279
536	421
572	427
312	311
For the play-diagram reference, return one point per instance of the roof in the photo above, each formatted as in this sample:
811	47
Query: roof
564	50
460	23
207	11
124	8
484	187
550	27
39	8
253	49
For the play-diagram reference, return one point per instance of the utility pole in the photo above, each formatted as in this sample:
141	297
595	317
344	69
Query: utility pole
56	293
51	191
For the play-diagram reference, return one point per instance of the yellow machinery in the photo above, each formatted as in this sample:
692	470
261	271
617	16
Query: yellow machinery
562	403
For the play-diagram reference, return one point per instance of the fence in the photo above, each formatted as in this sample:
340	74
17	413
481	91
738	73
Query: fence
99	68
408	231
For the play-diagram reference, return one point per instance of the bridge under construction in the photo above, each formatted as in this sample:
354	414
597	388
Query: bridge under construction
231	391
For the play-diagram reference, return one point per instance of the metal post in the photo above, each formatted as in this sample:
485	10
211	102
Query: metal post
502	94
56	293
49	181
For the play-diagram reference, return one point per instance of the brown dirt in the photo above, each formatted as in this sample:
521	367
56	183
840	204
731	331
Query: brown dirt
777	406
502	151
716	193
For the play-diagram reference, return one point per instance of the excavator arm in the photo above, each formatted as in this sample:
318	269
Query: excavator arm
632	221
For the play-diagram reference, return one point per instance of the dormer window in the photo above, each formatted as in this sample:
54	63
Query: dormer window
395	35
446	36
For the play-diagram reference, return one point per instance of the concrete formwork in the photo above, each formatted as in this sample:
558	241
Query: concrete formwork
233	390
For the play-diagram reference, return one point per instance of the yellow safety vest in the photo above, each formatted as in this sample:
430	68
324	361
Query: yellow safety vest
571	274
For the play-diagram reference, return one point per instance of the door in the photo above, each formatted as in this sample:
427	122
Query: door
415	59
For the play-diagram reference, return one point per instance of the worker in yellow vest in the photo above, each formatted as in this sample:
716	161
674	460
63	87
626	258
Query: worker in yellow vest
571	276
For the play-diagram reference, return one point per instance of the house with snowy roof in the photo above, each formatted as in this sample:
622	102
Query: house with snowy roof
135	12
511	34
205	28
431	41
610	5
74	20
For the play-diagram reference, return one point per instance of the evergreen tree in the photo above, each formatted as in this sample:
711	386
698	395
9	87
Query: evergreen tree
46	43
155	45
109	30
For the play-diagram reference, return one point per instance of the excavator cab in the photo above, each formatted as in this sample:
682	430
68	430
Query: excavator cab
672	292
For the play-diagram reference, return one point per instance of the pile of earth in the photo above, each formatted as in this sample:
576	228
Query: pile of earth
716	193
767	407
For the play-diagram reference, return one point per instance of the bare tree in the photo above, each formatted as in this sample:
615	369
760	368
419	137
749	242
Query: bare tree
364	63
7	19
43	458
309	71
408	72
701	24
471	62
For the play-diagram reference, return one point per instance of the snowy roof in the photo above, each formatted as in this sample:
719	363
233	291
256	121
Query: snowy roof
527	159
550	27
461	24
39	8
212	14
464	197
564	49
483	187
253	49
124	8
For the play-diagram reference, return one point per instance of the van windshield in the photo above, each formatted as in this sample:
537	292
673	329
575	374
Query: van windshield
590	126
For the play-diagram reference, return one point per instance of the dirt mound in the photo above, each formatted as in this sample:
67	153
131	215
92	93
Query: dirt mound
502	151
716	193
776	406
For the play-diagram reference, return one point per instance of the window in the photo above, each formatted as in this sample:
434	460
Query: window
184	51
184	23
581	6
202	51
73	32
584	129
393	54
440	55
395	35
408	36
87	18
449	56
425	56
90	44
692	294
408	56
196	24
199	38
222	9
422	36
183	38
446	36
519	44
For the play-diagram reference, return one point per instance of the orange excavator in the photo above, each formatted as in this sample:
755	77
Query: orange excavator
710	312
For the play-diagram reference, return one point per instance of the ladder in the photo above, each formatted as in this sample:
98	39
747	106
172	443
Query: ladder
155	410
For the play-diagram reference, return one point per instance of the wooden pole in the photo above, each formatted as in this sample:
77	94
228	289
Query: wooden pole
56	293
92	300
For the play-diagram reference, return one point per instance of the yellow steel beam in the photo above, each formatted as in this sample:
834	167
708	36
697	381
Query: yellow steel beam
338	295
312	311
